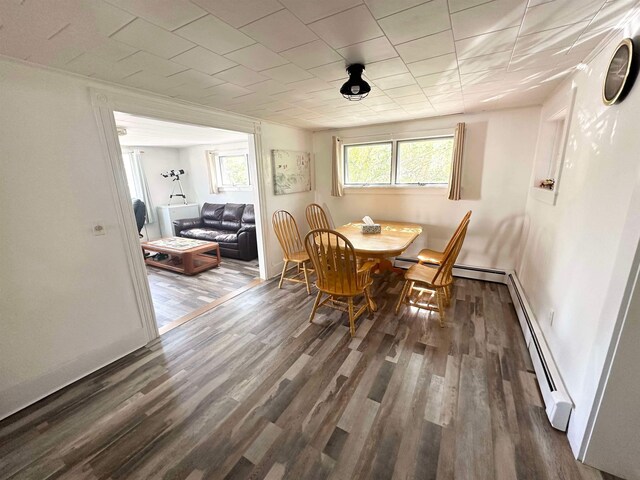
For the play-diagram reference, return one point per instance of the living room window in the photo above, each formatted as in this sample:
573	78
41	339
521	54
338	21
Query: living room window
229	170
415	162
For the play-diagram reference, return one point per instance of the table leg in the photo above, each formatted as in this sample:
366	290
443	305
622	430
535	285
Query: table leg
187	263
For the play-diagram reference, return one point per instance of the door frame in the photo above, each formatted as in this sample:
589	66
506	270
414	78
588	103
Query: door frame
105	102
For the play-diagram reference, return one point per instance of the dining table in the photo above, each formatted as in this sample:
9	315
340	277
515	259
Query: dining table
393	240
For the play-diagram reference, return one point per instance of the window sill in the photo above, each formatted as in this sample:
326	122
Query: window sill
234	189
440	190
544	195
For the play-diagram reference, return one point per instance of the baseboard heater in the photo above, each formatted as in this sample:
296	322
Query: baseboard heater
558	404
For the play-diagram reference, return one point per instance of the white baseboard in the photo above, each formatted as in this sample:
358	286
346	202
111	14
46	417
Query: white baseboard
21	395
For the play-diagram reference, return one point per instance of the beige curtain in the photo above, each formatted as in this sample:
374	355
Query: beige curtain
337	189
455	181
211	170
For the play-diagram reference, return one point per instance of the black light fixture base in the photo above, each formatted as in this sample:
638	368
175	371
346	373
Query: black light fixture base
355	89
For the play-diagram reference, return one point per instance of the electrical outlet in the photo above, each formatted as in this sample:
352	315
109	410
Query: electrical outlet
98	228
552	314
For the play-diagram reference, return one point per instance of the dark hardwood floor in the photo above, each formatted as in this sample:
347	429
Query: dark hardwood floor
175	295
252	390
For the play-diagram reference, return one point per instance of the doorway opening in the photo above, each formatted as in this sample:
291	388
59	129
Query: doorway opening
195	198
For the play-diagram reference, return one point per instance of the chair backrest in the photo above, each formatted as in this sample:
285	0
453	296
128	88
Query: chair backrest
452	240
316	217
334	261
140	212
287	232
444	275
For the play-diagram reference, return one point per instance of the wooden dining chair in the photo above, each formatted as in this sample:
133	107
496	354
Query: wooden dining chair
316	217
424	279
434	257
338	274
293	249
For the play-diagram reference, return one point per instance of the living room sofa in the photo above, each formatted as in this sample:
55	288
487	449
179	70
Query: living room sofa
231	225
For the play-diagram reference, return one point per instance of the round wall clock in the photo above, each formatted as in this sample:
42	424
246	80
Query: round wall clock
621	73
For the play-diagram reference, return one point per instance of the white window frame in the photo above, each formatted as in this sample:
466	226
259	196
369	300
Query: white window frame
215	156
393	187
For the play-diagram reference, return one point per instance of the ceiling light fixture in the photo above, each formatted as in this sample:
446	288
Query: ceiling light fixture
355	89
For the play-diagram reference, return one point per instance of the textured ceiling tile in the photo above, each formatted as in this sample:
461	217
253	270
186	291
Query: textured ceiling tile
229	90
203	60
549	39
395	81
384	8
416	22
558	13
385	68
457	5
488	17
151	63
153	39
239	12
280	31
493	42
346	28
311	10
287	73
196	78
241	75
257	57
434	65
427	47
312	54
368	52
485	62
333	71
403	91
168	14
215	35
438	78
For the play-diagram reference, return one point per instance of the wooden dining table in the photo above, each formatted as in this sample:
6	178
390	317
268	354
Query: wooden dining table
393	239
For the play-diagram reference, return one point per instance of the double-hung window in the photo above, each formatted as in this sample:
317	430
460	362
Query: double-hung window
414	162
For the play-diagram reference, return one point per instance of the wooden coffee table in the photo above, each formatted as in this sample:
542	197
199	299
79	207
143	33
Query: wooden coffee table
186	255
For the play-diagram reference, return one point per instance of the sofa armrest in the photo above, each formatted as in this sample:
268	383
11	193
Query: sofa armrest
247	228
186	223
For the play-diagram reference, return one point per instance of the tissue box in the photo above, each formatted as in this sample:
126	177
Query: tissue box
375	228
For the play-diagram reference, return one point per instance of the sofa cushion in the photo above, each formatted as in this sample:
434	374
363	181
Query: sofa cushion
231	216
212	215
249	215
227	238
201	234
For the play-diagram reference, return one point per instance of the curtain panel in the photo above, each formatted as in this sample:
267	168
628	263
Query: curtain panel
455	180
337	188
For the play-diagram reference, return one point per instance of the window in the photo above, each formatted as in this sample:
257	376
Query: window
234	170
419	162
229	171
368	164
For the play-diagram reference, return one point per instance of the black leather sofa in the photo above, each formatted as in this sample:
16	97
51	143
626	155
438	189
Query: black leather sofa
231	225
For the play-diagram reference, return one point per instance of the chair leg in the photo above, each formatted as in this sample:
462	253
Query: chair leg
284	269
315	306
441	299
369	300
352	322
306	277
403	294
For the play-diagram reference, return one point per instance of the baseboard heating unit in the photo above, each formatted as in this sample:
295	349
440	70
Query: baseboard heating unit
558	404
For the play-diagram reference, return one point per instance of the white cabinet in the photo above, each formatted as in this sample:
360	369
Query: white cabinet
168	213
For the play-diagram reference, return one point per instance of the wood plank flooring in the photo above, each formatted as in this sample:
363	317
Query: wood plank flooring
252	390
175	295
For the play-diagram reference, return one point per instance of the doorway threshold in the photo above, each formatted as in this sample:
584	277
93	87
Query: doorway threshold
208	307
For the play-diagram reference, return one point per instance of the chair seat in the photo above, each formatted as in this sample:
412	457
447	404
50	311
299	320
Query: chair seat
421	273
298	257
430	256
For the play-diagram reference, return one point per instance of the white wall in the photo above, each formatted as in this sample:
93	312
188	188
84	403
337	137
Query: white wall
577	255
497	165
278	137
161	159
67	305
196	159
